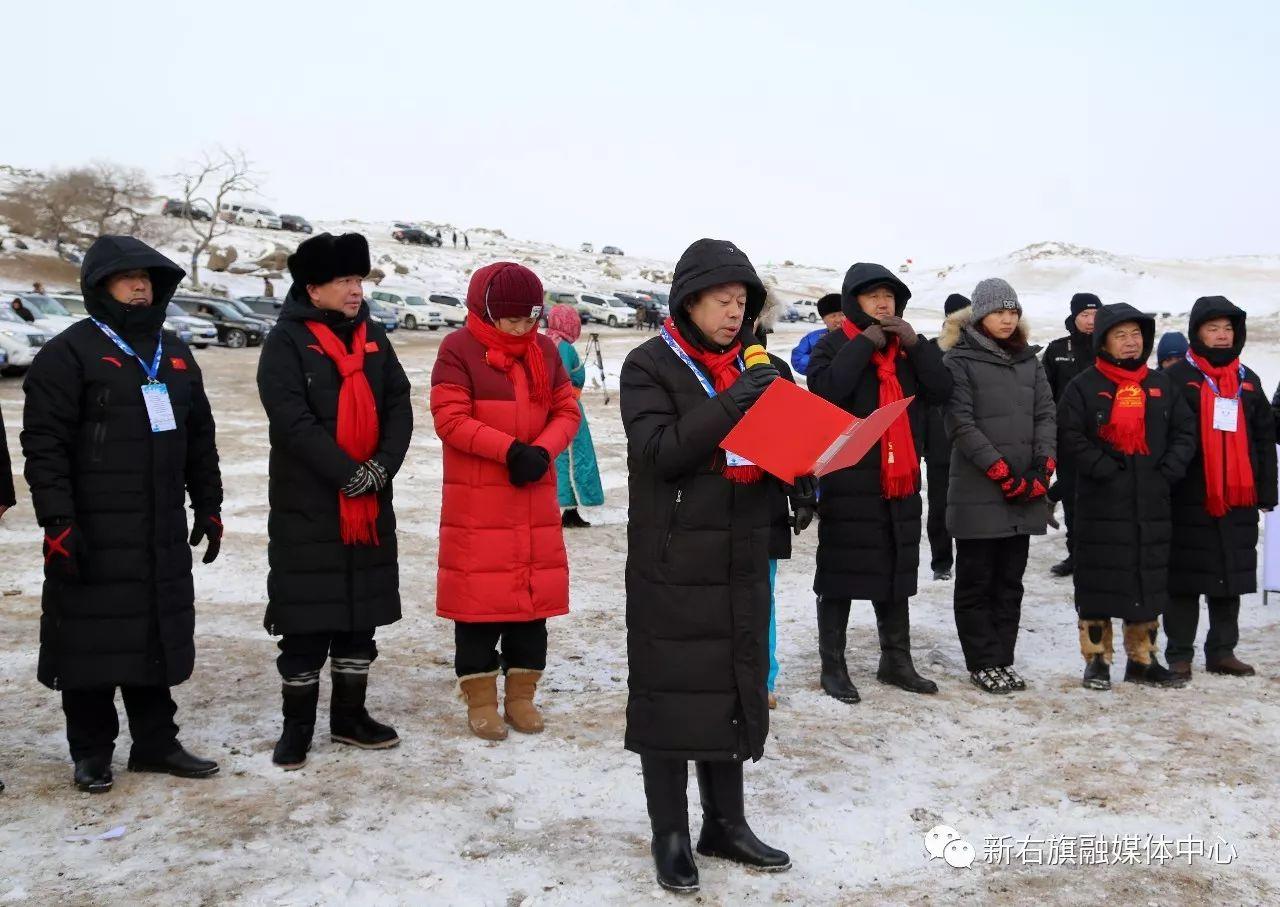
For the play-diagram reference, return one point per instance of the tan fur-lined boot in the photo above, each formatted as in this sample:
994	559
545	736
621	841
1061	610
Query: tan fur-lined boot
480	693
517	705
1095	646
1143	666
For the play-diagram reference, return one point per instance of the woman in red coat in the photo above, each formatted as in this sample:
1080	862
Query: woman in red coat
504	408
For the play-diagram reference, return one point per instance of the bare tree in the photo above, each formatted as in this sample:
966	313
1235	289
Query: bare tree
78	204
117	198
206	183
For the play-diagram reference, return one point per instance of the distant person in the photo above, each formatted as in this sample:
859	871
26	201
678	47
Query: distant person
268	290
21	310
37	288
466	243
1171	350
577	473
832	318
7	497
1065	358
439	238
936	451
455	239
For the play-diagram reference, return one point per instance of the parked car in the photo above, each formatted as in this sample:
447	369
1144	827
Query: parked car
384	314
807	309
611	250
234	329
248	311
413	310
414	236
249	215
295	223
453	307
176	207
597	307
198	332
267	306
19	340
51	316
587	247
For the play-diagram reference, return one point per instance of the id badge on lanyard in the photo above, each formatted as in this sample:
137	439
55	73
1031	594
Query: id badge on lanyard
1226	413
730	459
155	394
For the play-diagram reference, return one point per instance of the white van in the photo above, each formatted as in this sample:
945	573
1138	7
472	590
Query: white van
411	307
19	341
249	216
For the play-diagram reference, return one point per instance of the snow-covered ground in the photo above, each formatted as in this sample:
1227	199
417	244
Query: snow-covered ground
849	791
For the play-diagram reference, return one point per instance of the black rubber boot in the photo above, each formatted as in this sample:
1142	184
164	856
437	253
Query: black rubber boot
666	786
725	833
1065	567
896	667
299	724
571	519
833	621
93	774
348	720
178	763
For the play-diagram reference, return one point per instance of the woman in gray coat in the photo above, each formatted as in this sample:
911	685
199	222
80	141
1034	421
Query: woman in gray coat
1002	423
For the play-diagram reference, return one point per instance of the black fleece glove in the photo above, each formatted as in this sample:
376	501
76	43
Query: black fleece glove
526	464
751	384
63	548
208	526
804	502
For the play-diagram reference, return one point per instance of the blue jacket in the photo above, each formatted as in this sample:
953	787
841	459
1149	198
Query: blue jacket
804	349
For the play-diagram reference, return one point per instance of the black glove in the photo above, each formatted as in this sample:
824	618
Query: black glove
63	548
380	475
751	384
804	502
875	333
362	481
208	526
905	333
526	464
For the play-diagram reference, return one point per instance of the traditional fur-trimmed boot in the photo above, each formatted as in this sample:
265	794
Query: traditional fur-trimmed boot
1143	666
517	705
1095	646
480	693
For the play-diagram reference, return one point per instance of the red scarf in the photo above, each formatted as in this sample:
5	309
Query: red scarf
899	465
357	429
1126	430
503	351
724	371
1228	471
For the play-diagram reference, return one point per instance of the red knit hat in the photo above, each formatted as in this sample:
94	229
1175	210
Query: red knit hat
504	289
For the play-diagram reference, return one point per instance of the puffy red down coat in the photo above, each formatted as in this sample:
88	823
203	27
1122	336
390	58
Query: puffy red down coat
502	555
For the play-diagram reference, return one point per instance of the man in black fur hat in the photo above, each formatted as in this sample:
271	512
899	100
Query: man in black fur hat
338	405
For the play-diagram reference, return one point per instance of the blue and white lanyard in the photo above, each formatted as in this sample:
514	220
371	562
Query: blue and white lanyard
684	357
128	350
1213	385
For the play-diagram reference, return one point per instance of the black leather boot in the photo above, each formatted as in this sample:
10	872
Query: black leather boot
299	724
666	785
178	763
725	833
93	774
348	720
833	622
896	667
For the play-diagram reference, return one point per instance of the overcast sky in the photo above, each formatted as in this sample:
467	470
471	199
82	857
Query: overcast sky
820	132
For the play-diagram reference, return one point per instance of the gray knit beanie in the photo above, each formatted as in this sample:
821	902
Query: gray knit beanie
992	295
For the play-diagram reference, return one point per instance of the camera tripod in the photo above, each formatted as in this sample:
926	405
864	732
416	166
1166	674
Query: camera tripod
593	346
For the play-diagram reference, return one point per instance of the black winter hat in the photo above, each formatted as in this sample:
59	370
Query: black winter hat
1082	301
863	277
1109	316
955	302
710	262
1207	308
326	257
828	305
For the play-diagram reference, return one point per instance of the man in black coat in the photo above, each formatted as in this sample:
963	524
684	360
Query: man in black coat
1065	358
117	432
1122	494
340	419
1215	523
868	534
7	498
936	450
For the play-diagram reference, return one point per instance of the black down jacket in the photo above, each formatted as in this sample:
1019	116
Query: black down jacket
1001	408
697	550
1122	521
869	547
1219	556
317	584
92	459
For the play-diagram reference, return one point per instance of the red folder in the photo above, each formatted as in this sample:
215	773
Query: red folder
791	432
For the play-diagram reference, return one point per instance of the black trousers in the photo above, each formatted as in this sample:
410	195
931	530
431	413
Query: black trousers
92	722
988	598
1064	490
302	655
939	478
1182	617
524	645
666	792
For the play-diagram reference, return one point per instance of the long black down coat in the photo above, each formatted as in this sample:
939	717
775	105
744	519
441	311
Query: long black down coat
91	458
1123	525
317	584
869	547
1219	556
697	550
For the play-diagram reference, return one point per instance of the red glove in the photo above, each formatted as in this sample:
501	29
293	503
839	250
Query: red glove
1039	478
1011	486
